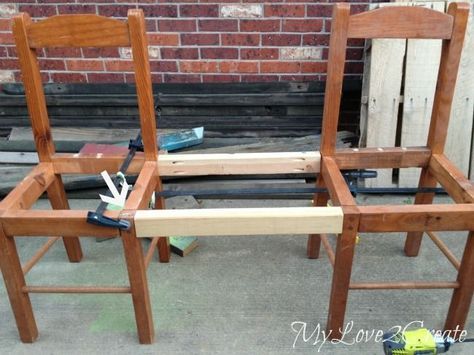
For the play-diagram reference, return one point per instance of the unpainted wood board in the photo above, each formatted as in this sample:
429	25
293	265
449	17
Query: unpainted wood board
421	73
383	99
239	221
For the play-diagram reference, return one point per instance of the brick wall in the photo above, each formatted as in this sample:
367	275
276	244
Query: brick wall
194	41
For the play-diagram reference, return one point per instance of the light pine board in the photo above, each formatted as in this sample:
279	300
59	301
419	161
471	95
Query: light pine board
421	73
383	98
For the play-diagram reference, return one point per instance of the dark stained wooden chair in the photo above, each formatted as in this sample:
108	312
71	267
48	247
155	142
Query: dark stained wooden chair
397	22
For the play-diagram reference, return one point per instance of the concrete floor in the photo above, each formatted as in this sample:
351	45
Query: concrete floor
231	295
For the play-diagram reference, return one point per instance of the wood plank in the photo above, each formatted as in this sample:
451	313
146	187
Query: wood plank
370	158
239	221
458	143
196	164
452	179
421	74
383	98
412	218
85	30
335	77
403	22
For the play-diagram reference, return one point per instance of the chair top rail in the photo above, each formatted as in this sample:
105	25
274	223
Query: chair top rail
401	22
86	30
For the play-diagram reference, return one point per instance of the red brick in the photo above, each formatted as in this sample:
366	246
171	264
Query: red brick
151	25
260	25
200	39
114	10
238	67
76	9
219	53
63	52
316	40
319	10
9	63
284	10
240	39
314	25
258	78
119	65
216	78
107	52
198	67
354	53
160	10
45	78
182	78
218	25
164	39
179	53
358	8
356	42
68	78
281	40
85	65
259	53
6	38
155	78
177	25
39	10
52	64
354	68
105	78
279	67
160	66
5	24
11	50
3	52
199	10
313	67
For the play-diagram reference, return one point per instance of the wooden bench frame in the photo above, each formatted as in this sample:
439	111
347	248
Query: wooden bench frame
345	219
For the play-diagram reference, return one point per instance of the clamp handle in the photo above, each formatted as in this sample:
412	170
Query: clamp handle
103	221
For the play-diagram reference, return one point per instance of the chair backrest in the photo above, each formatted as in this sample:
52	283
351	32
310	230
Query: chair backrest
83	31
396	22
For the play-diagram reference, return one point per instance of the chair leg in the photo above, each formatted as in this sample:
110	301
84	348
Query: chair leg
314	240
14	282
164	251
462	296
342	275
139	285
57	197
413	239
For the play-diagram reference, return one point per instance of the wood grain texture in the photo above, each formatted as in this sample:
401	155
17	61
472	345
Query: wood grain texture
314	240
452	179
138	284
462	296
384	61
58	199
371	158
416	218
336	184
14	282
335	75
85	30
341	278
460	129
448	70
402	22
33	87
141	66
239	221
27	192
421	73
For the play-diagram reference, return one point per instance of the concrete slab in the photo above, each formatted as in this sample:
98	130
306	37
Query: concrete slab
232	295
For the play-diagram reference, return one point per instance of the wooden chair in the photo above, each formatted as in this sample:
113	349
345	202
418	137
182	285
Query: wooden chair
397	22
78	31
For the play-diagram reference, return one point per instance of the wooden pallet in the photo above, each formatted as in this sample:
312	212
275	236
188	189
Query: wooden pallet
398	92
